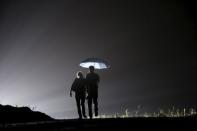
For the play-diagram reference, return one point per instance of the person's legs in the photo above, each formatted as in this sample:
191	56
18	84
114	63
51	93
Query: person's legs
90	107
95	105
78	106
83	107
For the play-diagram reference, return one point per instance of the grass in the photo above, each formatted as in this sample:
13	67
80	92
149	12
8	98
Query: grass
161	113
172	112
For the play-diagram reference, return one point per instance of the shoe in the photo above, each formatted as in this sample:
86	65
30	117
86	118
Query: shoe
84	116
96	114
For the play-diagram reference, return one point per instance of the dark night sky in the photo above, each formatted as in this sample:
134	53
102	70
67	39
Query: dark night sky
150	45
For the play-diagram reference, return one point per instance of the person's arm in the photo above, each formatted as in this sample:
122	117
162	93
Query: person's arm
72	88
98	78
86	87
70	92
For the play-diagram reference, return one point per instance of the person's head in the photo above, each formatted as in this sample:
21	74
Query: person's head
79	74
91	69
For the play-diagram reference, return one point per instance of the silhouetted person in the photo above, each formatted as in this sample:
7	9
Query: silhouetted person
92	80
79	87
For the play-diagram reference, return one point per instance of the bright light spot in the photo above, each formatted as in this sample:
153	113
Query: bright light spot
95	64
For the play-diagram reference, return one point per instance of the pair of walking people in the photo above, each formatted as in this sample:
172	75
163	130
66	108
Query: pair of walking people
86	87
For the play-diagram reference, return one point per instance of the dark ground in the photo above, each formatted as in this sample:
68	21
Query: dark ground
107	124
10	114
23	118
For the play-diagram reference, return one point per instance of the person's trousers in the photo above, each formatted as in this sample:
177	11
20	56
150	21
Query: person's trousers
94	100
81	106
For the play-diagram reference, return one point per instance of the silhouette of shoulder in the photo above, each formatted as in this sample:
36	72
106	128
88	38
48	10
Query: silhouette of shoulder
78	83
92	78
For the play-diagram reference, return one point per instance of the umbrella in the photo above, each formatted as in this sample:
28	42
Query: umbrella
96	62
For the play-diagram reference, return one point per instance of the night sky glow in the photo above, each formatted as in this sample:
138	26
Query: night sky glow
150	46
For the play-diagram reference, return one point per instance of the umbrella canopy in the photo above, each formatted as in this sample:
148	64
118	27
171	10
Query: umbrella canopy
96	62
